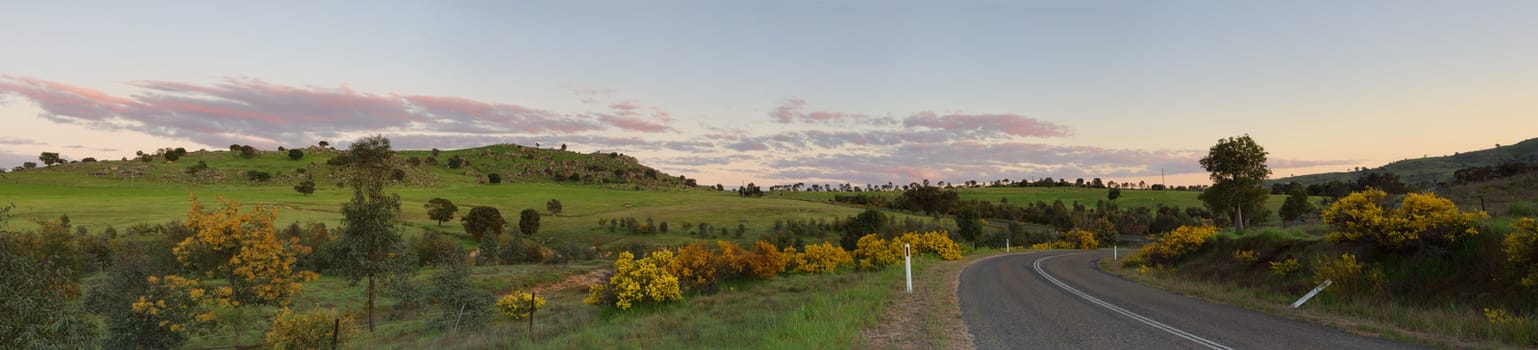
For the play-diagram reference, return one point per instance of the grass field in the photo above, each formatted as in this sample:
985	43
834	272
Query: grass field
1069	195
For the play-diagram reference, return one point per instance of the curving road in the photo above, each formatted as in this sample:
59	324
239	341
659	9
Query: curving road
1062	300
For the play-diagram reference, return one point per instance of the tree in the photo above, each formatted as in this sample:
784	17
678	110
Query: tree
50	158
456	161
247	152
40	309
488	251
1296	205
324	144
528	222
554	206
462	304
244	250
28	165
173	156
371	244
306	186
1238	167
494	178
295	154
483	220
1113	194
441	210
968	223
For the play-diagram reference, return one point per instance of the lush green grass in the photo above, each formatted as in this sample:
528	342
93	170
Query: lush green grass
95	206
1069	195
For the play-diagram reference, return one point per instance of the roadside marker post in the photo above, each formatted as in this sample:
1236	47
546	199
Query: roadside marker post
1006	245
1311	293
908	265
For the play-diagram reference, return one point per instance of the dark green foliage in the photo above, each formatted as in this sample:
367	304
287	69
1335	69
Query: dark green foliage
173	156
488	251
462	306
88	160
195	168
306	186
750	190
371	244
969	224
397	174
1113	194
295	154
528	222
928	199
247	152
113	296
258	176
1296	205
571	252
868	222
50	158
440	210
483	220
494	178
1238	167
456	161
554	206
431	248
41	307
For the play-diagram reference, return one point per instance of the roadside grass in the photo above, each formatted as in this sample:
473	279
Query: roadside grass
1444	309
795	311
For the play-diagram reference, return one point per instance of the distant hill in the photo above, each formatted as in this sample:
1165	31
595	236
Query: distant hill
1430	171
423	168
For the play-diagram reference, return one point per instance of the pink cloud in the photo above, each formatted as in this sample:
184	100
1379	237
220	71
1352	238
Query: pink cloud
792	111
634	124
1011	124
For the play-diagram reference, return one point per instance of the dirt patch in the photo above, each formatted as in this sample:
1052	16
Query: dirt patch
582	280
930	317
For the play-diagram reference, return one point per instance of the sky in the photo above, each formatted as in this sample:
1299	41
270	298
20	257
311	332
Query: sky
785	91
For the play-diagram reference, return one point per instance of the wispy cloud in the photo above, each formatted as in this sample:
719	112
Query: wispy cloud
241	110
808	145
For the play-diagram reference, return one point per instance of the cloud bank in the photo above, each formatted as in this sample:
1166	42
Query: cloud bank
807	144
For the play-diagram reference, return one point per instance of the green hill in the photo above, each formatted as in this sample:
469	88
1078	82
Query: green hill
1430	171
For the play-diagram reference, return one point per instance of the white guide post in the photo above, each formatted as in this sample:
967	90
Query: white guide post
1115	252
908	265
1310	294
1006	245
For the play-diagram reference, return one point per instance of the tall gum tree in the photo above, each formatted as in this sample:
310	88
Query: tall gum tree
1238	167
371	244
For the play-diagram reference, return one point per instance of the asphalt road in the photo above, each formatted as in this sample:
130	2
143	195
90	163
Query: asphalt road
1062	300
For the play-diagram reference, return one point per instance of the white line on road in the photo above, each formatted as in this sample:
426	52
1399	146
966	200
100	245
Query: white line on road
1145	320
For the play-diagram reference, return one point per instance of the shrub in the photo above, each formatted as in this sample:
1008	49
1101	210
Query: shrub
695	265
766	261
494	178
1285	268
258	176
1177	244
872	252
295	154
1079	238
1521	248
825	257
930	242
1499	316
637	281
1346	273
311	330
1421	217
1245	256
520	304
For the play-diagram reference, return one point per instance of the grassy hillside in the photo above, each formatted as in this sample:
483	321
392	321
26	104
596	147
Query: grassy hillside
1433	170
1087	196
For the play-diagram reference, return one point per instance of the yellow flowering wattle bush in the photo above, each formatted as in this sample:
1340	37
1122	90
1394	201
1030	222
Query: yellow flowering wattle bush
1177	244
930	242
695	265
1521	248
766	261
518	304
1421	217
1285	267
1246	256
824	257
872	252
1347	274
638	281
1078	238
311	330
733	260
181	304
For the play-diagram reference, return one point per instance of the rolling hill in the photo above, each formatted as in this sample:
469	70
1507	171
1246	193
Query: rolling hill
1430	171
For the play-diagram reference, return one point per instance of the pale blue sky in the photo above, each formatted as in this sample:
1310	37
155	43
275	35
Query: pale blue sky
692	87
